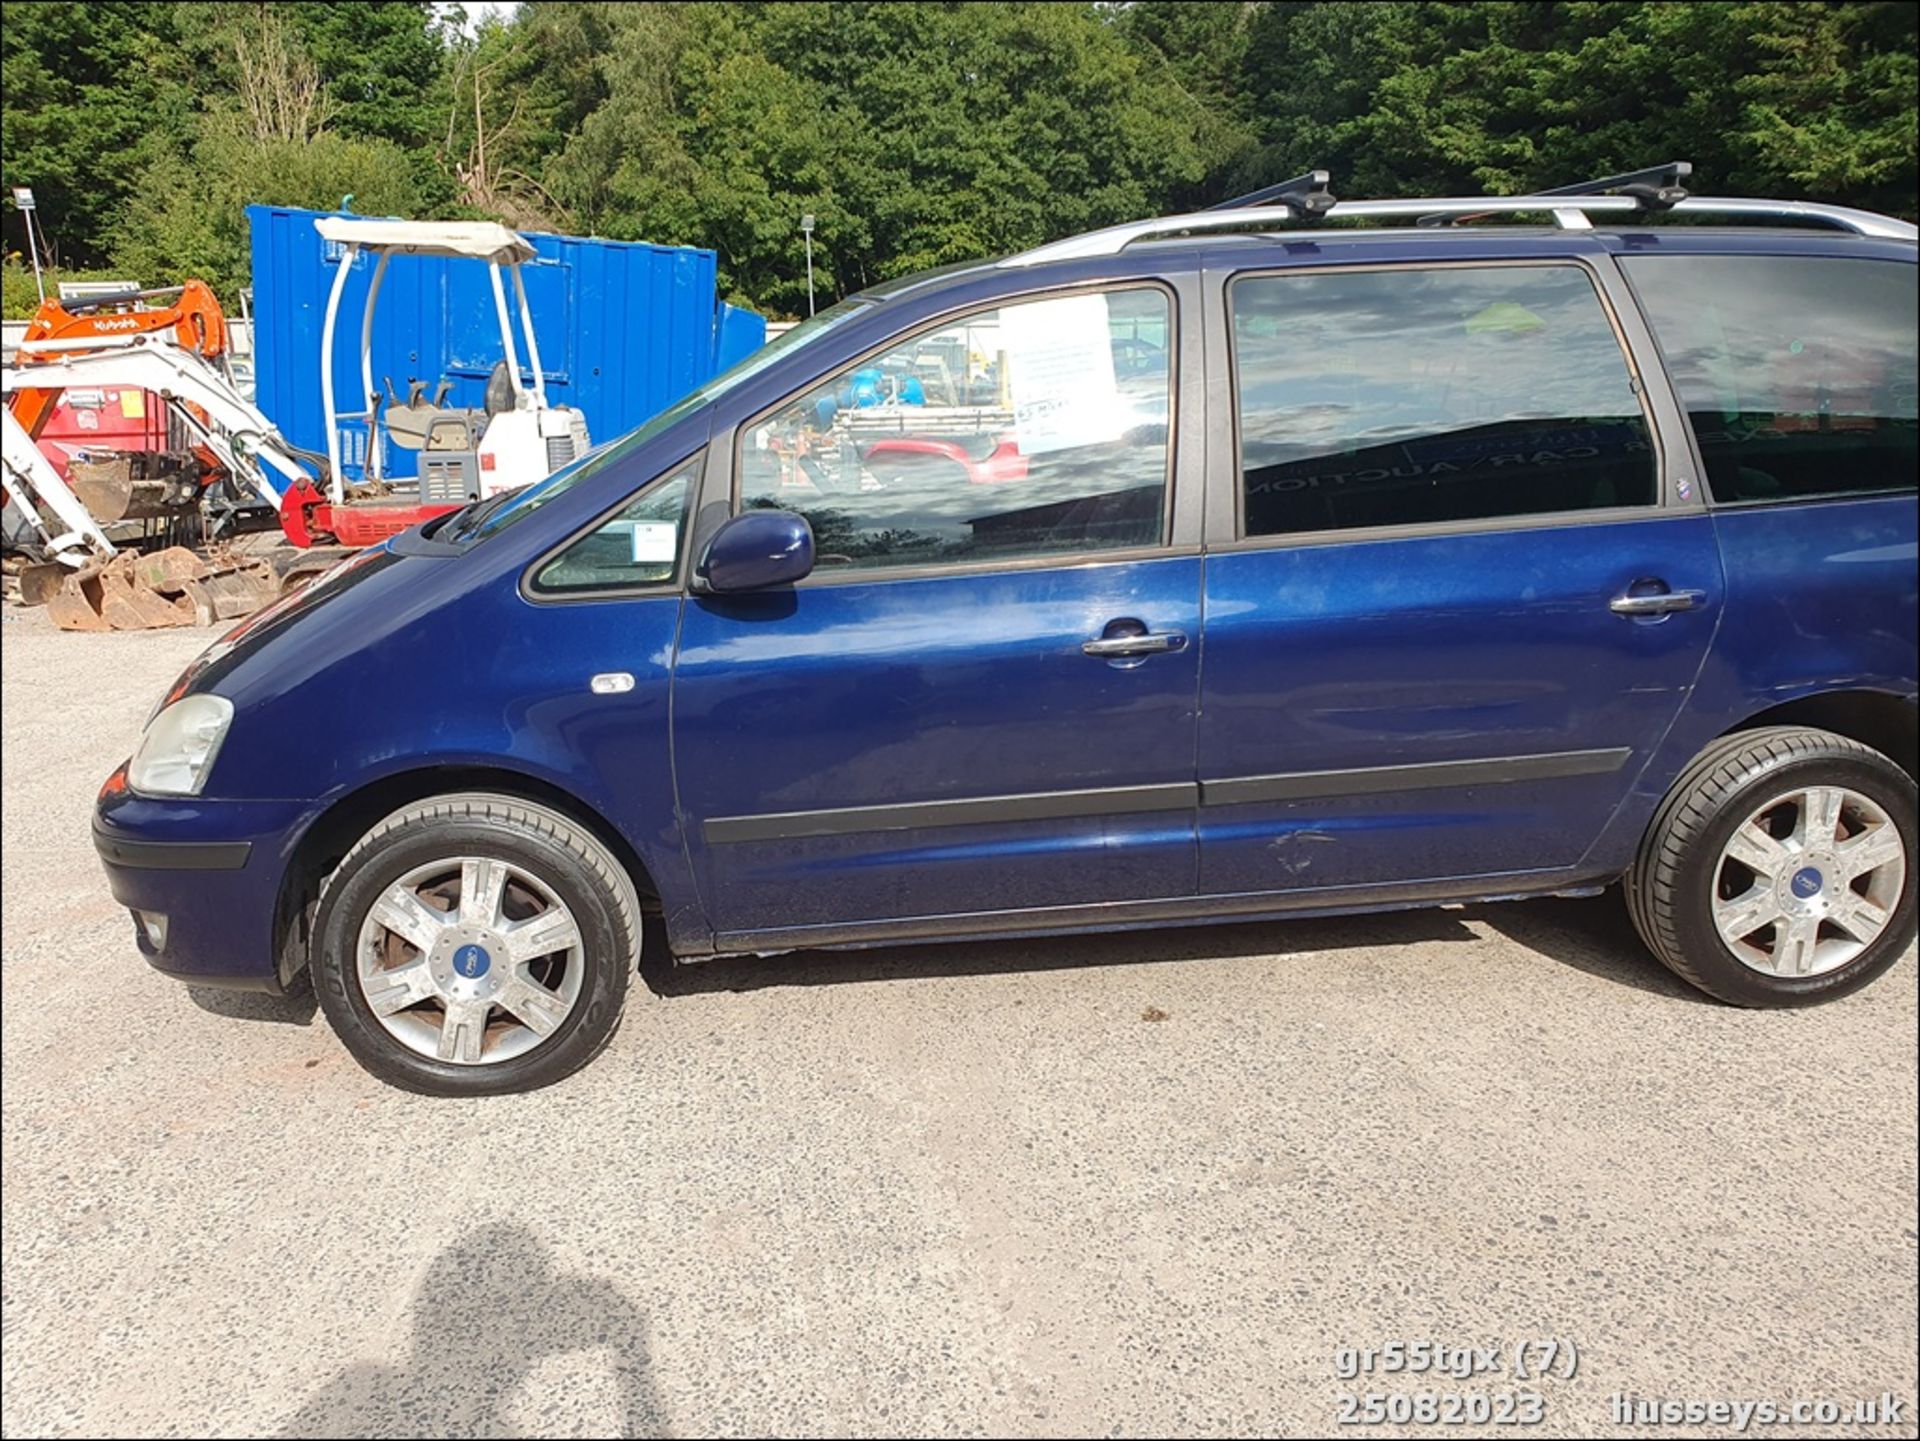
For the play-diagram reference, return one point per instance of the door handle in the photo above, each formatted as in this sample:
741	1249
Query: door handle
1664	602
1157	642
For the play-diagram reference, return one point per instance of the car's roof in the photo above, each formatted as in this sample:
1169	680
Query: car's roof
1337	245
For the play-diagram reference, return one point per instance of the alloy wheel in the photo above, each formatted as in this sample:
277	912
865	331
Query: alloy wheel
1808	881
471	960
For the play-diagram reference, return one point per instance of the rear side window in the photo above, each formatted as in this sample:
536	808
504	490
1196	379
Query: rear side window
1395	397
1797	372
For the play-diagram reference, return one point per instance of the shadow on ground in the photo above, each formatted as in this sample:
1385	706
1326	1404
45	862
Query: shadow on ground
1590	934
488	1310
295	1009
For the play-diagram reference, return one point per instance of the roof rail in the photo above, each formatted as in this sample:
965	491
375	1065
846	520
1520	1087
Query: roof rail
1658	188
1839	217
1570	211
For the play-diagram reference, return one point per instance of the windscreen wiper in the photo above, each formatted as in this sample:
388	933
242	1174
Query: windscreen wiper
465	521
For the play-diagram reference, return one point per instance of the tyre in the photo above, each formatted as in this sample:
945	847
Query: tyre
475	944
1779	871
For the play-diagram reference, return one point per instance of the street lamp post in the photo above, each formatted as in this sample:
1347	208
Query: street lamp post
806	229
23	200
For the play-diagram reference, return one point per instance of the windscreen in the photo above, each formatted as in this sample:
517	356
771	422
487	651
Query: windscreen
490	516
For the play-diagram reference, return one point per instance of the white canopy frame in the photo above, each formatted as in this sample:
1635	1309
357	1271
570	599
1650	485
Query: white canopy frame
451	239
464	240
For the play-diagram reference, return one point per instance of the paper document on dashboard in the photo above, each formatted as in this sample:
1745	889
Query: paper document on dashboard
1060	369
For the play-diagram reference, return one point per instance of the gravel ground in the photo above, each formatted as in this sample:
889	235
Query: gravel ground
1136	1185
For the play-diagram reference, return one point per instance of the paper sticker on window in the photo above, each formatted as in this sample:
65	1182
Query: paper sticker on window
655	542
1060	365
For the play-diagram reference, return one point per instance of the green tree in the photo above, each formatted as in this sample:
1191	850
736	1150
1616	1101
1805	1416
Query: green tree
514	96
1828	102
916	134
381	62
270	141
1766	98
1313	73
1203	42
92	93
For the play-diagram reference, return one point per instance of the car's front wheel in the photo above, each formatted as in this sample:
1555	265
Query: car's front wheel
475	944
1779	871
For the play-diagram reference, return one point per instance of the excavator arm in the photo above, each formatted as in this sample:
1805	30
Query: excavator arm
71	536
172	353
246	443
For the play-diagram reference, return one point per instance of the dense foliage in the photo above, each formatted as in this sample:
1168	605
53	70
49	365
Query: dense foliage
917	134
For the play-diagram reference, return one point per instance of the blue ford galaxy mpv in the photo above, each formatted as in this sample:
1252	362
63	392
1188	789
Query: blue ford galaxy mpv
1243	564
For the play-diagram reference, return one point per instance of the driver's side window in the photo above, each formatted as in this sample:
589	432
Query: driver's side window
1029	429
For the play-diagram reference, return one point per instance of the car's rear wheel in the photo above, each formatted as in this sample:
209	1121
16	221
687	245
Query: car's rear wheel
475	944
1780	869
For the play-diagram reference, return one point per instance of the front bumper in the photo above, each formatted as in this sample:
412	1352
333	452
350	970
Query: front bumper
213	869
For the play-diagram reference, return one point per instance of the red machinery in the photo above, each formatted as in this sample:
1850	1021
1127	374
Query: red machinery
127	420
309	518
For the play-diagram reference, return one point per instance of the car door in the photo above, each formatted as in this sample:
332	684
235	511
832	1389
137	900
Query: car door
981	706
1456	591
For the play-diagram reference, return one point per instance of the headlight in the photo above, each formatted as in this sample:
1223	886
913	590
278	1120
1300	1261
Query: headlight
178	748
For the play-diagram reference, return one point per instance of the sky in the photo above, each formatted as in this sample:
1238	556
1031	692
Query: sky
478	10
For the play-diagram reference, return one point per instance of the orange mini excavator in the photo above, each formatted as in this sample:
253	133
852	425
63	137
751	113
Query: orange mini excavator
194	319
162	472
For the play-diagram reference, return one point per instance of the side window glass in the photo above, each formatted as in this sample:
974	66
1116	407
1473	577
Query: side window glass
1394	397
1032	429
1797	372
639	545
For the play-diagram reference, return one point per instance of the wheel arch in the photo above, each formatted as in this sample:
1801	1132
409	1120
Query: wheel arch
324	842
1889	723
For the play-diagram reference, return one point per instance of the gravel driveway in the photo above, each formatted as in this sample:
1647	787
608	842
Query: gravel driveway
1140	1185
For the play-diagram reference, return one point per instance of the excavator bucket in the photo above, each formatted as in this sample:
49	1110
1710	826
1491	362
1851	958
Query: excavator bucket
125	486
40	582
171	587
76	604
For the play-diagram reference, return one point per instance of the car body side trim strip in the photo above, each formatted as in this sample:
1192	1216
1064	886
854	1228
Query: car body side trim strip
1038	806
1175	796
1374	780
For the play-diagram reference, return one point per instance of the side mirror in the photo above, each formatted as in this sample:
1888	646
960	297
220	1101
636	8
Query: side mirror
757	550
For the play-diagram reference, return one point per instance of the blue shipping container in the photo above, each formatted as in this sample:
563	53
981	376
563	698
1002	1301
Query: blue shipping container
625	329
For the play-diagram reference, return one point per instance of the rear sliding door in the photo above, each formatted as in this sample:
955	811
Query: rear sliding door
1456	598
